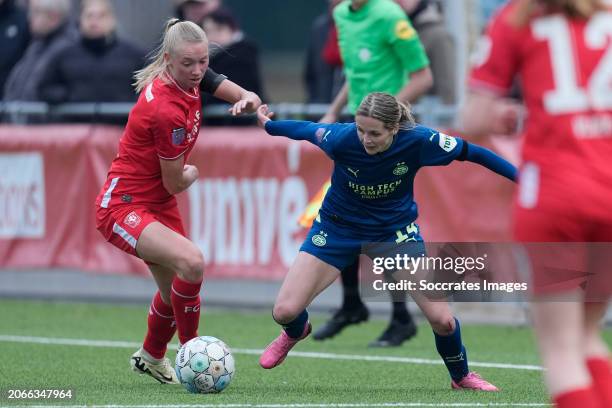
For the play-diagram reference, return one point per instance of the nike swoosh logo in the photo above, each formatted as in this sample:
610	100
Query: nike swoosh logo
141	366
169	379
325	135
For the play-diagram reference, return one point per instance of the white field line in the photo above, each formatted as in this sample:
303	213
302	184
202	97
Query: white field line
305	354
313	405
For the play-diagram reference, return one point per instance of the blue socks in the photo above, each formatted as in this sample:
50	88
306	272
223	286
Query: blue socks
295	328
453	353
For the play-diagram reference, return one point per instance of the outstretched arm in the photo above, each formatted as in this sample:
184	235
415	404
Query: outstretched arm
485	157
243	101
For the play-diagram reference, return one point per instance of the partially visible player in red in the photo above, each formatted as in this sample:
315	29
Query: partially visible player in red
562	52
136	210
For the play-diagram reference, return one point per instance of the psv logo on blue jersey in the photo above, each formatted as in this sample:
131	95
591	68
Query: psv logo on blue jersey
178	136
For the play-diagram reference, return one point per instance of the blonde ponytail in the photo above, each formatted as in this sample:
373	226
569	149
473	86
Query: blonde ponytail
406	120
175	33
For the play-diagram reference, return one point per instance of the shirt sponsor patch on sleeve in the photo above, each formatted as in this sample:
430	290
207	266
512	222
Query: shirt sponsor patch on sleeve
446	142
403	30
178	136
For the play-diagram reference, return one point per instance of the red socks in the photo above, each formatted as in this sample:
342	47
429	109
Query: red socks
164	320
580	398
601	373
599	395
161	327
186	304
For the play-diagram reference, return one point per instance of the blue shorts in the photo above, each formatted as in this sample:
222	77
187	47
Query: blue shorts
336	245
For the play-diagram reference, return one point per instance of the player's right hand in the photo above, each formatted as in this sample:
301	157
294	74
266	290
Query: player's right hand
263	115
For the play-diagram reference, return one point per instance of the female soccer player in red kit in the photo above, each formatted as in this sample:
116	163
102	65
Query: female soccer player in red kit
136	210
562	52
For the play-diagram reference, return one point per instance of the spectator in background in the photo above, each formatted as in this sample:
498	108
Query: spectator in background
195	10
14	38
98	67
427	19
50	26
323	75
232	53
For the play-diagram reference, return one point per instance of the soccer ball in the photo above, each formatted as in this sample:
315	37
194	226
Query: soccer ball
204	365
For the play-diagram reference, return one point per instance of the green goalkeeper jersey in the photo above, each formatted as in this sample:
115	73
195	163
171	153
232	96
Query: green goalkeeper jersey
379	48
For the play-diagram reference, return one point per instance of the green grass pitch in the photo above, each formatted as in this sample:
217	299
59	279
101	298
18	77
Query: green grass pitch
336	373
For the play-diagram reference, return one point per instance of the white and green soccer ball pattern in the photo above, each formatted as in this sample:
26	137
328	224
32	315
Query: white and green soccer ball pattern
205	365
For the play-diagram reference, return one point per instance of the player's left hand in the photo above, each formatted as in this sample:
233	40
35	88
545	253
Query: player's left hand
248	104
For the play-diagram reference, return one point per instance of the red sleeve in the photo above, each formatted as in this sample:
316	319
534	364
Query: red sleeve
169	131
496	58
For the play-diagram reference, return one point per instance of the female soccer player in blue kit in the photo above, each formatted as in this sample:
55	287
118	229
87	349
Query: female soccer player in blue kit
370	200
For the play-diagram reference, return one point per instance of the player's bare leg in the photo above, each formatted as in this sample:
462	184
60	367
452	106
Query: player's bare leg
558	322
307	277
160	245
163	278
593	343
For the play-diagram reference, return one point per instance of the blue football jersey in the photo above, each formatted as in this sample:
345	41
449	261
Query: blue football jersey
372	193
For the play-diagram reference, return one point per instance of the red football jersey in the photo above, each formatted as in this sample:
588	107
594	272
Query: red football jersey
565	70
164	124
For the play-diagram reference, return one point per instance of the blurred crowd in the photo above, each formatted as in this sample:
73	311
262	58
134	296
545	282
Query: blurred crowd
64	61
49	54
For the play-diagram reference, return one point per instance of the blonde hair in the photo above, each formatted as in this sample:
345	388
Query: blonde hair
175	33
571	8
386	108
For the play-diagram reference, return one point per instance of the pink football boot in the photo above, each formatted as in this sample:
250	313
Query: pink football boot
276	351
473	381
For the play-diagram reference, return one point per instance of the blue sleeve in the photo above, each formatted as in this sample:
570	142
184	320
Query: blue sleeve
438	149
323	135
490	160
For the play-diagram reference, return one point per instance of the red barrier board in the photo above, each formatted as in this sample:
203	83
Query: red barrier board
242	212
